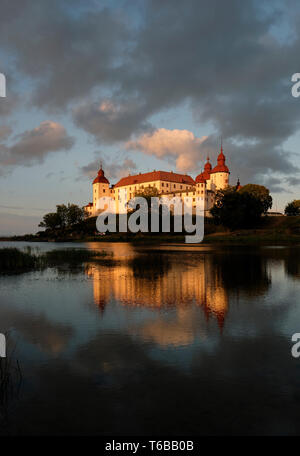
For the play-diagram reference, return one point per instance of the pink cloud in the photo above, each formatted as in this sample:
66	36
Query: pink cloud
180	145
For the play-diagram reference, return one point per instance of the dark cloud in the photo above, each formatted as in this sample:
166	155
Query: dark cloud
110	121
66	47
274	184
293	181
230	62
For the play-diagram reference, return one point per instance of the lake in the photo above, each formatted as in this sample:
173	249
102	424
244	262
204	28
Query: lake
170	339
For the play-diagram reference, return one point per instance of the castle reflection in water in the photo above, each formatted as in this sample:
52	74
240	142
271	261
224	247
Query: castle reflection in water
156	280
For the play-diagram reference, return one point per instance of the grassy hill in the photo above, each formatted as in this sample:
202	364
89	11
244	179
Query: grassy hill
272	229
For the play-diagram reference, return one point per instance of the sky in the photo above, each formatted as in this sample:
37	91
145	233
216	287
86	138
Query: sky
141	85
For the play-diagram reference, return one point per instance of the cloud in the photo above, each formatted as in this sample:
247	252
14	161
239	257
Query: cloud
112	170
69	47
229	63
33	146
180	145
8	104
274	184
5	131
111	121
293	181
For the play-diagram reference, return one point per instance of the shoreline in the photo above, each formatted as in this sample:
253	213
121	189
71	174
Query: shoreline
236	238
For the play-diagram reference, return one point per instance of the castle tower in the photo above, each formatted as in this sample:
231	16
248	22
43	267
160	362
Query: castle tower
100	188
207	173
220	173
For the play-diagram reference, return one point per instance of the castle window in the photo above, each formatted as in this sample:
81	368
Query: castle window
162	184
104	190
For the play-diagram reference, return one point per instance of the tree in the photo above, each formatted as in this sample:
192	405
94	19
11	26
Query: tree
147	193
64	217
62	211
235	209
51	221
75	214
292	208
260	192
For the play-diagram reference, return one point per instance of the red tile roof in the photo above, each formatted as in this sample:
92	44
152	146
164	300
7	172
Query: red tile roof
100	178
200	179
155	176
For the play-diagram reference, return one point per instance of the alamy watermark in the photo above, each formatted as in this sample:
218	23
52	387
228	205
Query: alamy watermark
2	85
296	347
144	215
2	346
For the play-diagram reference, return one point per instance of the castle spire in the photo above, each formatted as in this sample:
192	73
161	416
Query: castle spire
221	166
101	177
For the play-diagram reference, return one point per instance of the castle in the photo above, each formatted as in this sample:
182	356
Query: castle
168	184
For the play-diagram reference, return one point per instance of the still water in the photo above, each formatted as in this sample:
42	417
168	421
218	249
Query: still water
156	340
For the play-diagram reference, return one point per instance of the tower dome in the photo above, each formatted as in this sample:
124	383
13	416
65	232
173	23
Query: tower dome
205	175
207	166
221	167
200	179
207	169
101	179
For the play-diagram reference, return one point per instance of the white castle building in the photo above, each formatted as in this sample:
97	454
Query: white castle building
168	184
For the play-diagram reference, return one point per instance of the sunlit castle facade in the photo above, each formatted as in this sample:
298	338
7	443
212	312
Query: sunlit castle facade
168	184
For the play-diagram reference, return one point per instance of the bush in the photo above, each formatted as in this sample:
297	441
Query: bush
293	208
236	210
